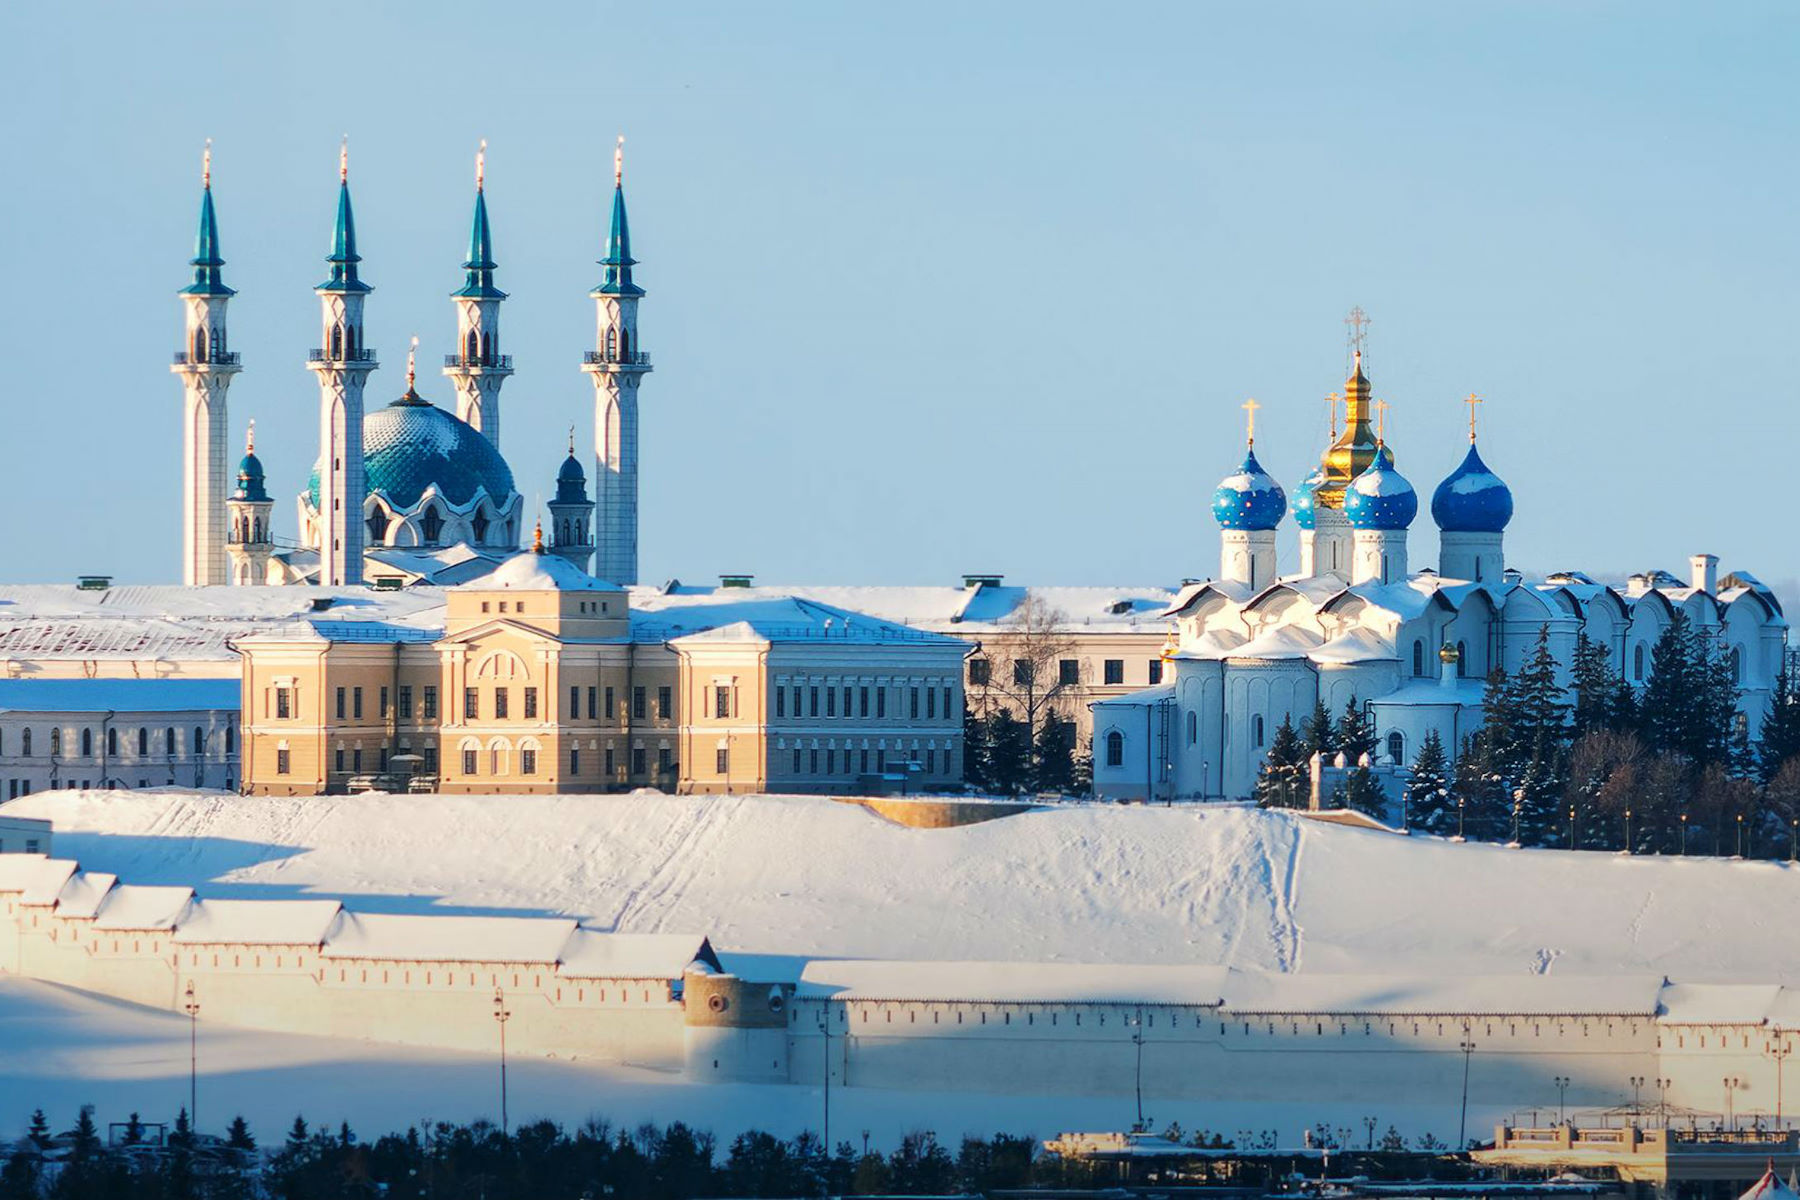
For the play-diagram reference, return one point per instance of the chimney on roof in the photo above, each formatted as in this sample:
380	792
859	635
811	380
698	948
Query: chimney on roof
982	581
1703	569
736	581
93	583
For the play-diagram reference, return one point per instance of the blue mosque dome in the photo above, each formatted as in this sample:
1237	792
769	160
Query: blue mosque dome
571	481
251	483
1249	498
1473	499
1303	498
412	445
1381	497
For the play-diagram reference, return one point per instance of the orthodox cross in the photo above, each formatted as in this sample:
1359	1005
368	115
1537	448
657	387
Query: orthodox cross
1358	321
1381	407
1331	406
1250	406
1472	401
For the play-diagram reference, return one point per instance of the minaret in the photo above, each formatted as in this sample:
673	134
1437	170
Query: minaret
477	369
249	509
617	365
206	367
571	512
342	364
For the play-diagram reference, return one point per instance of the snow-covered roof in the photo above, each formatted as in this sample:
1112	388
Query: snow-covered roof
449	938
1281	641
18	870
1719	1003
593	954
132	906
962	609
762	614
119	695
1012	982
45	883
1443	995
258	922
1425	693
528	571
1357	644
84	893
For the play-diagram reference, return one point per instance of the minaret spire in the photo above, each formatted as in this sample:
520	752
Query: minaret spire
342	362
477	369
617	365
206	368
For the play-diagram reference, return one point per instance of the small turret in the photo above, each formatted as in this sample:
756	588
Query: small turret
571	512
249	511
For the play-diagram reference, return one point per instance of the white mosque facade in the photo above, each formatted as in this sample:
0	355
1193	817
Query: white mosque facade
1250	649
410	491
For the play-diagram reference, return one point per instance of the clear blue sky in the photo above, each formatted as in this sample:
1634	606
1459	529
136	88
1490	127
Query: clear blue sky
943	287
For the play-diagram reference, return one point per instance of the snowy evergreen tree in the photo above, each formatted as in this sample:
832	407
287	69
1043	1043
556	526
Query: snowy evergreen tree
1362	792
1595	688
1283	780
1428	803
1780	736
1053	755
1539	713
238	1135
1008	752
1318	735
1355	732
39	1129
1481	805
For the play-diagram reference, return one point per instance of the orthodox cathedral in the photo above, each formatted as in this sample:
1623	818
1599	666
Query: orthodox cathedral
409	492
1252	648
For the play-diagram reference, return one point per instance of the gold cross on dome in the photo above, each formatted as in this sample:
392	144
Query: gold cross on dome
1358	321
1381	407
1472	401
1250	406
1331	407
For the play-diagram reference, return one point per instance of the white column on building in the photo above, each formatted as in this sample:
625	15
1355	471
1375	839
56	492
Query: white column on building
206	366
617	364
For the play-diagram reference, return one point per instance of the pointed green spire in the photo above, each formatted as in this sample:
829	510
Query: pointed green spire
206	261
618	261
478	281
343	257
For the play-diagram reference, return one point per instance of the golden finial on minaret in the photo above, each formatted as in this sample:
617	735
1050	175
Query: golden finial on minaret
1472	401
619	162
537	536
250	437
206	166
480	164
344	160
412	355
571	441
1250	406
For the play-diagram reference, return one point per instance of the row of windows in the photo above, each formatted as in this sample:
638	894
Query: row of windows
858	702
499	761
1068	672
809	761
169	742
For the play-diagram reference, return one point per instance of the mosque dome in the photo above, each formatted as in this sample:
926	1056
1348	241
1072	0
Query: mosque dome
571	482
1304	498
1473	499
1249	498
251	483
1381	497
412	445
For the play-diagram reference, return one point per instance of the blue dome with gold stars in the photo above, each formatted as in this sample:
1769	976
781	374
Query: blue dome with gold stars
1472	499
1249	498
1381	497
1304	498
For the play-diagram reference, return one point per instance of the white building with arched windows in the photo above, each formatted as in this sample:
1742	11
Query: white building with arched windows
1251	648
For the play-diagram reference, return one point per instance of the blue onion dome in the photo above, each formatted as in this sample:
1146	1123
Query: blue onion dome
571	482
412	445
1473	499
1304	498
1249	498
251	484
1381	497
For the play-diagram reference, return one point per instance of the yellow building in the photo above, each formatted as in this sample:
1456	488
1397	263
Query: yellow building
541	678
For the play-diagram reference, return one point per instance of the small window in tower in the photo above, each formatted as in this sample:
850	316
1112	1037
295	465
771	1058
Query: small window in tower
480	527
433	527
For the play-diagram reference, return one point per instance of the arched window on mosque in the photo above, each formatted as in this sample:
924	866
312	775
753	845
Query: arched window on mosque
112	742
143	742
624	345
487	349
1115	749
378	527
472	351
350	342
169	741
200	344
612	343
55	742
257	529
199	741
25	742
480	527
1396	748
433	527
337	342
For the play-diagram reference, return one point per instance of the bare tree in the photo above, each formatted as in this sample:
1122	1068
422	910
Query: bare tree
1025	673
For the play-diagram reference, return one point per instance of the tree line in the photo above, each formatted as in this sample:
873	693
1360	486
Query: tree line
1598	764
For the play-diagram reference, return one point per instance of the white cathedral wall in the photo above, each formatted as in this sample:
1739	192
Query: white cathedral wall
1199	727
1259	693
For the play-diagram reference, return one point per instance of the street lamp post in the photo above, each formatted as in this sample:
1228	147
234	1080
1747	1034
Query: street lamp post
191	1006
1637	1083
1684	818
1459	818
1137	1038
1517	806
501	1016
1369	1124
1628	831
1662	1099
1740	835
1562	1091
1732	1084
1467	1047
1779	1050
825	1028
1572	844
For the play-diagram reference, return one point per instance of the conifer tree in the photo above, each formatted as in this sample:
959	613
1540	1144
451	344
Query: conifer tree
1355	732
1480	803
1362	792
1282	781
1666	706
1595	688
1428	803
39	1129
238	1135
1008	752
1779	739
1053	765
1539	714
1319	734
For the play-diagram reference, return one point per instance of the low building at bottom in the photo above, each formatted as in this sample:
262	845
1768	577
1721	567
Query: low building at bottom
540	678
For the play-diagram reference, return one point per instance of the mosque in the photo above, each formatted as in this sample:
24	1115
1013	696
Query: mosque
1251	648
409	492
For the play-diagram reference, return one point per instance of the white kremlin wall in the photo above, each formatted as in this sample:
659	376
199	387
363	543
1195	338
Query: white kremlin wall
664	1001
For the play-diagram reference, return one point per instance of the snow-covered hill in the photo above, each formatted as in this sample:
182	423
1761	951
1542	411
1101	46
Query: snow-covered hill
1091	883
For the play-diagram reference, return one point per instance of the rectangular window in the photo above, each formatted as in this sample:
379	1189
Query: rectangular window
338	760
863	702
609	704
384	703
1068	671
831	761
531	704
880	702
665	703
340	704
722	701
574	762
381	760
637	760
1155	671
593	704
931	704
913	703
796	760
846	700
1115	670
356	703
609	762
469	761
812	757
1024	671
665	759
722	760
796	699
781	709
471	704
431	766
405	707
980	671
356	760
528	762
637	704
946	701
501	704
281	762
575	703
284	709
430	702
831	702
813	704
865	762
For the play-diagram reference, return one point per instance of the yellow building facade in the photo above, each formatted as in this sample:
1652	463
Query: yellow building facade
540	678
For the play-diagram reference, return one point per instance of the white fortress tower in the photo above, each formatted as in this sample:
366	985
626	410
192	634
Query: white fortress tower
617	364
477	369
206	366
342	364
